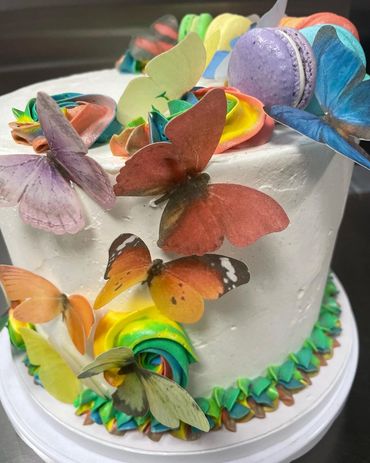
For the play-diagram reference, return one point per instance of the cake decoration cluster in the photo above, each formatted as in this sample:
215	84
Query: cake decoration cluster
246	399
167	128
43	185
198	215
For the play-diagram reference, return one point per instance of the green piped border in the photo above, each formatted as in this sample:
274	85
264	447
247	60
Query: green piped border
246	399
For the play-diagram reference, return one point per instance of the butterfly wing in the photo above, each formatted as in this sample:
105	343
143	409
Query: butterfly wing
199	226
118	357
353	111
169	403
49	202
158	167
60	134
130	396
79	318
68	150
211	275
152	170
16	171
175	72
55	374
176	299
331	54
193	138
318	130
246	214
128	263
273	16
38	300
184	214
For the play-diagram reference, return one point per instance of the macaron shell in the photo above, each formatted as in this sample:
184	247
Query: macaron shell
320	18
309	66
204	22
185	25
264	64
347	39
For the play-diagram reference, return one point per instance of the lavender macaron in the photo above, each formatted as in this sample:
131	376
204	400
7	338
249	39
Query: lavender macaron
275	65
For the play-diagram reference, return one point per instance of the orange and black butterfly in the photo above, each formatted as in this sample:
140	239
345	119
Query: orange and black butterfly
179	287
35	300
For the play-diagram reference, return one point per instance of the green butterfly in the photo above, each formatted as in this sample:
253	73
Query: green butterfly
143	390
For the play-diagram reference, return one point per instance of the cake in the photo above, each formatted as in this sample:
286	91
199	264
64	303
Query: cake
249	349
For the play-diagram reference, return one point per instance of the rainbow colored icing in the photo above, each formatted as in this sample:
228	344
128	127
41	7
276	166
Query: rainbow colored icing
160	344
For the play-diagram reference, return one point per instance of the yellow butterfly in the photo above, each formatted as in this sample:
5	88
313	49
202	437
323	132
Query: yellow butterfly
55	374
172	73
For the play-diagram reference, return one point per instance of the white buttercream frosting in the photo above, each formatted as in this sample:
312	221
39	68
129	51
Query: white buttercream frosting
251	327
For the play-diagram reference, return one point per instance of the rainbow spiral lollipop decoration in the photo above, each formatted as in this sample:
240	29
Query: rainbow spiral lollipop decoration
159	344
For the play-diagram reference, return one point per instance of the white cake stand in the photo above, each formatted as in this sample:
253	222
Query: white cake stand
53	431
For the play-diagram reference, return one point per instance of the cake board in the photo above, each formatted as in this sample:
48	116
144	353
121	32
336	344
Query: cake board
53	431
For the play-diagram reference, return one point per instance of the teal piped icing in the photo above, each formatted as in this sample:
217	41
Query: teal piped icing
246	399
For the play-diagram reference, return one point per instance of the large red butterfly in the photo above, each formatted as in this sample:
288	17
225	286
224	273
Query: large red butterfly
198	216
35	300
178	288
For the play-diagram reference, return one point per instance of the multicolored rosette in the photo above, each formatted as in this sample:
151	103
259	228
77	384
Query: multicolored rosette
92	116
246	122
160	345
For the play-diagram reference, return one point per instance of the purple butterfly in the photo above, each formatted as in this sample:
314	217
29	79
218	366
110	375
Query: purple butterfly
42	184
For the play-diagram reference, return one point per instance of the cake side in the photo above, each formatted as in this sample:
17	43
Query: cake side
252	327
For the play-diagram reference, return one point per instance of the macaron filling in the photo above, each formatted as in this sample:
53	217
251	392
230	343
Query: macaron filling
298	68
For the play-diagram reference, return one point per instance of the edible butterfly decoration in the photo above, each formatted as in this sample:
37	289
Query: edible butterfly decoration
36	300
344	98
42	184
172	73
197	216
179	287
140	390
161	37
55	374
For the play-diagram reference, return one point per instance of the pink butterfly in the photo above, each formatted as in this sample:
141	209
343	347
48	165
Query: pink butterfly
43	185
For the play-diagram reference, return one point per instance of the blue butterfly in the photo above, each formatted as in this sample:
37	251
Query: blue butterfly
343	96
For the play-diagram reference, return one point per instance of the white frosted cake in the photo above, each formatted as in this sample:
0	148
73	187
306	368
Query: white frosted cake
254	326
171	236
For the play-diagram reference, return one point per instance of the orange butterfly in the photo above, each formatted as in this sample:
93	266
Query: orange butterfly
178	288
36	300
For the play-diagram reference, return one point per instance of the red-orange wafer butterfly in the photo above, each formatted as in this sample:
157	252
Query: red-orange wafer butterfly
198	215
178	287
36	300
